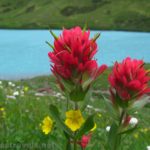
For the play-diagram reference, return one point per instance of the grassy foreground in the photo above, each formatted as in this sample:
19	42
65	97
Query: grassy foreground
98	14
22	113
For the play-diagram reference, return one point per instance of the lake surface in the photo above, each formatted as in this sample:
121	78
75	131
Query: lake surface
23	53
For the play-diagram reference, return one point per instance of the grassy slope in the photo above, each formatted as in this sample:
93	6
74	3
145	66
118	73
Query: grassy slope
98	14
25	113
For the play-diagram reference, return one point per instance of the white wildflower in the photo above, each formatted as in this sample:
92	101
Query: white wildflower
16	93
9	83
58	94
89	106
10	97
62	97
108	128
39	94
133	121
148	147
13	85
97	110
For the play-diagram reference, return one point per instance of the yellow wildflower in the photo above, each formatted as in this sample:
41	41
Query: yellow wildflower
99	115
26	88
136	135
95	126
47	125
2	111
74	119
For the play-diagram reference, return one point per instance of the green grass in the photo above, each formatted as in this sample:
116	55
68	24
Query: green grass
20	123
97	14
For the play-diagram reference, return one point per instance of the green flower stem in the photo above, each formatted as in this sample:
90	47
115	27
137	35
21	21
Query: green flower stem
117	140
68	145
123	113
76	106
75	144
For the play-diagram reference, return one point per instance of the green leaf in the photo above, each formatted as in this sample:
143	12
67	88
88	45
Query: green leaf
68	144
114	138
55	114
86	100
67	84
120	102
87	126
110	107
140	103
96	36
55	140
87	83
50	45
84	28
129	130
53	34
78	94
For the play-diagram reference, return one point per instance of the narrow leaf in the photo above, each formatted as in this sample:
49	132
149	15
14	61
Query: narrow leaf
129	130
52	33
55	114
96	37
109	106
49	44
87	126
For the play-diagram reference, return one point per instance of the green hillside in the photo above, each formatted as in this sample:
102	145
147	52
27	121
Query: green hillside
97	14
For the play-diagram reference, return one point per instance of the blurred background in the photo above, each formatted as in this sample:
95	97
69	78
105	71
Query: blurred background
97	14
124	26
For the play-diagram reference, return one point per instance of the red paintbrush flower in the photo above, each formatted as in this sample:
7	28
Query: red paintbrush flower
85	140
129	80
72	58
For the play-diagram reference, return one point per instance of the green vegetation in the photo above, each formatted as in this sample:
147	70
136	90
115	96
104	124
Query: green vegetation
20	120
97	14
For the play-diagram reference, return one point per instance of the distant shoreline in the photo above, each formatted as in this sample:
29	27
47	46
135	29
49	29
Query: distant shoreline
92	29
30	77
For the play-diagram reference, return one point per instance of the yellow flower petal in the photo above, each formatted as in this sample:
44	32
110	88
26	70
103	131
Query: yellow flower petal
74	119
26	88
47	124
136	135
95	126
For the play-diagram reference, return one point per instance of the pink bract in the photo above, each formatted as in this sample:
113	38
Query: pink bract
129	79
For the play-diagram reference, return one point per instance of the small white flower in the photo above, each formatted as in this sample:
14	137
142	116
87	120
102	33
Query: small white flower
148	147
22	92
39	94
16	93
11	97
62	97
9	83
97	110
133	121
58	94
13	85
108	128
135	112
89	106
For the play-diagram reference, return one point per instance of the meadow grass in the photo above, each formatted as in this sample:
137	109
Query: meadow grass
97	14
23	113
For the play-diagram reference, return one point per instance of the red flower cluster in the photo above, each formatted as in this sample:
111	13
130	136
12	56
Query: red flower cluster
72	56
85	140
129	79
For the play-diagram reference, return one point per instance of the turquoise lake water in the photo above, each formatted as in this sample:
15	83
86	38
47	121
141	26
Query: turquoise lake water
23	53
